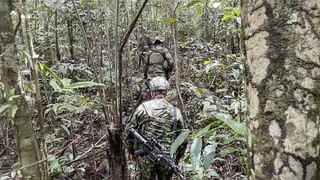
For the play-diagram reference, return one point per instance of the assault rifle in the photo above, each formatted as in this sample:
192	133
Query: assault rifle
152	150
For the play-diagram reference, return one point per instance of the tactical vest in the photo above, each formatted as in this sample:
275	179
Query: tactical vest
154	64
160	127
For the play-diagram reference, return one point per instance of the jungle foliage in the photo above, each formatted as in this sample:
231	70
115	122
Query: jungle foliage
68	53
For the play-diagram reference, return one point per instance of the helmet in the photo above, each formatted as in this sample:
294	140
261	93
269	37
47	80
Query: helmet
159	83
157	39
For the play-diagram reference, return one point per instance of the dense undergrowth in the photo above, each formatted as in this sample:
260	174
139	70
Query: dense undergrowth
76	129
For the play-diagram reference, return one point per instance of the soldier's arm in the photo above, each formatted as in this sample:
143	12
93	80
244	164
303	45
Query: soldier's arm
168	57
133	122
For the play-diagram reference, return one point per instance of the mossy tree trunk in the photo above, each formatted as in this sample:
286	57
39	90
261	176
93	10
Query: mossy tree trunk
25	141
283	88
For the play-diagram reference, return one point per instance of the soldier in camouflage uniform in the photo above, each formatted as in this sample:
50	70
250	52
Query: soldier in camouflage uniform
159	61
160	120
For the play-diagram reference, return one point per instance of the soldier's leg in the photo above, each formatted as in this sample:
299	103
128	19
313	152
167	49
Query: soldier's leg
163	173
145	170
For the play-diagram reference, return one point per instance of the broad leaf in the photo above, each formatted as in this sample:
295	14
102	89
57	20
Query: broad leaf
179	140
238	127
66	82
3	108
84	84
203	131
208	156
14	109
53	83
195	151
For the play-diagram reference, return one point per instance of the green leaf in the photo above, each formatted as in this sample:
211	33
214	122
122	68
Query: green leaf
66	82
200	9
211	173
1	86
84	84
14	109
206	62
3	108
11	98
170	20
179	140
230	14
203	131
198	91
45	68
54	164
238	127
53	83
229	150
11	92
208	156
192	3
195	151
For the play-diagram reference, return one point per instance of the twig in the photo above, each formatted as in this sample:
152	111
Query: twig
79	159
4	149
90	149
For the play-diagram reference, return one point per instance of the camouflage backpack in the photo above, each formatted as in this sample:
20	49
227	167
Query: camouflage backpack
157	64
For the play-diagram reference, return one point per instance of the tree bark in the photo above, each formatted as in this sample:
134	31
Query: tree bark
25	141
283	88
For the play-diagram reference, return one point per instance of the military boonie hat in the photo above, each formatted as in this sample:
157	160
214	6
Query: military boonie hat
159	83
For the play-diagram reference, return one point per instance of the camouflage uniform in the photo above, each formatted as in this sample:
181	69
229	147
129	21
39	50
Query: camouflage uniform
155	119
158	62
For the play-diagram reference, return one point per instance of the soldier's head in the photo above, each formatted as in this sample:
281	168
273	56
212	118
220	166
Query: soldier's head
159	87
157	41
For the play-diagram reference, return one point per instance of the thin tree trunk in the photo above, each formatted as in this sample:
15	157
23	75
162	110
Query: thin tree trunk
71	39
58	54
116	56
206	24
25	141
48	50
38	102
176	57
282	49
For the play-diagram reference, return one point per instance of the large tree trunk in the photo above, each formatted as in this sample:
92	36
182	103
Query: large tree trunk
283	95
26	144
